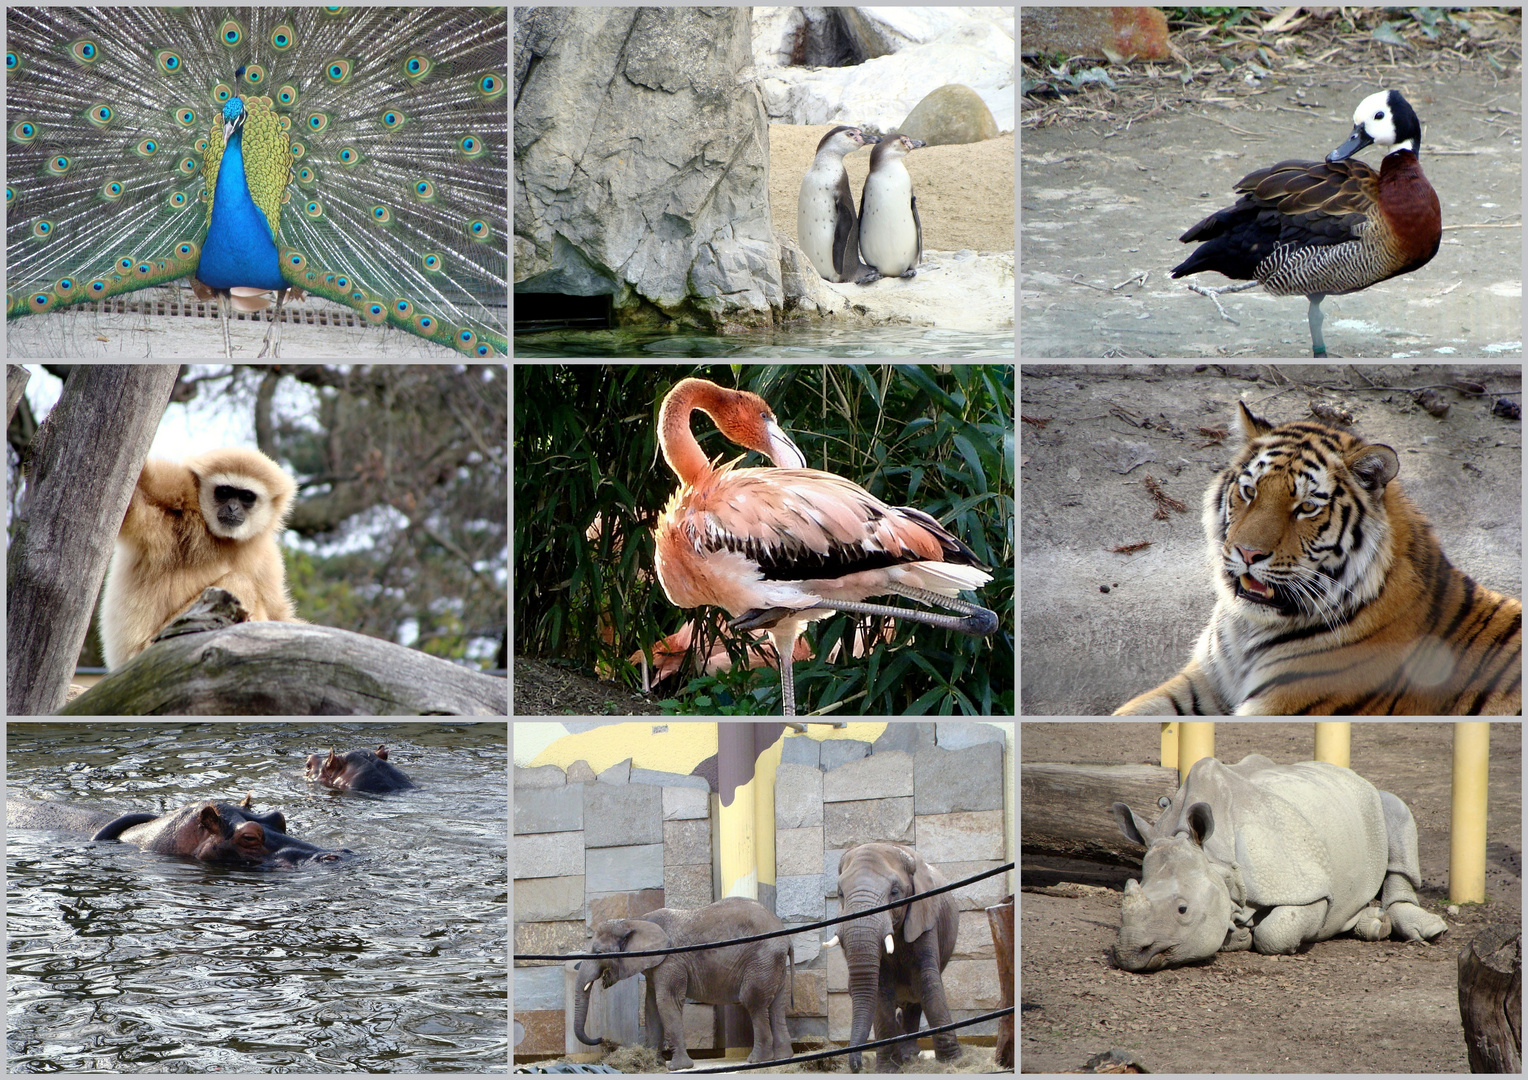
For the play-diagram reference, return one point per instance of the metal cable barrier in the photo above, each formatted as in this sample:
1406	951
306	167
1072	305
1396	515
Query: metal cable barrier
789	932
850	917
738	1066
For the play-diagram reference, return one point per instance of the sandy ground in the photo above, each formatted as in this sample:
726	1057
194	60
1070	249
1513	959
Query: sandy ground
1106	201
1344	1005
964	193
1083	652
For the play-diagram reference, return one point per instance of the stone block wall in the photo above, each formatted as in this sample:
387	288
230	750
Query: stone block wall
626	842
590	848
936	787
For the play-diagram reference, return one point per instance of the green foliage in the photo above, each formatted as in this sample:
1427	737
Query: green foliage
939	438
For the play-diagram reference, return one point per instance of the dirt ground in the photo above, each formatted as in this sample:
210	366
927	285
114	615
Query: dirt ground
964	193
542	689
1106	200
1099	627
1343	1005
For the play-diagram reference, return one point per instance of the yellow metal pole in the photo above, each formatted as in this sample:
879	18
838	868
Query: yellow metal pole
1169	744
1334	743
1467	829
1195	740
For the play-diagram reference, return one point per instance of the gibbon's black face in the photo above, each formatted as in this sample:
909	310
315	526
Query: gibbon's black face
233	505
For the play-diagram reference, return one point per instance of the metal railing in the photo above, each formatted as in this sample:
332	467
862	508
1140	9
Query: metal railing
736	1066
849	917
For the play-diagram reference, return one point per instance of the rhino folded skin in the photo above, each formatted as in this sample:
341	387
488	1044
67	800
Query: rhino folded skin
1268	857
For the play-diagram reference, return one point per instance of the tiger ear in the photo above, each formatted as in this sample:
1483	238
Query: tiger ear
1251	426
1373	465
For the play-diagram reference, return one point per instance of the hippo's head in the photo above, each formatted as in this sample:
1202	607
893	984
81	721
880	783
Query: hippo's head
1181	909
229	835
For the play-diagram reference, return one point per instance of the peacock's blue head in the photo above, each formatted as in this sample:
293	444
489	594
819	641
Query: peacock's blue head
233	117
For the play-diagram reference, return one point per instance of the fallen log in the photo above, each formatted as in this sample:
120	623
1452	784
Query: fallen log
1065	809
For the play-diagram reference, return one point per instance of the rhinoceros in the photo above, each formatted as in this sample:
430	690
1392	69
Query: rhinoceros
1268	857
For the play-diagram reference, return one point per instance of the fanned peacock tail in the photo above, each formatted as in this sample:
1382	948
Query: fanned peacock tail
375	140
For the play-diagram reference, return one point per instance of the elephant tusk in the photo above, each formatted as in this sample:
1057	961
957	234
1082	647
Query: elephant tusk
889	947
831	942
587	985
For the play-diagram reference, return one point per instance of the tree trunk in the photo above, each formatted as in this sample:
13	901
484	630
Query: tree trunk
1491	999
1067	808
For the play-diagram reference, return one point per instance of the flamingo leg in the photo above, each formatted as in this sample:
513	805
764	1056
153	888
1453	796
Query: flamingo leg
977	621
785	648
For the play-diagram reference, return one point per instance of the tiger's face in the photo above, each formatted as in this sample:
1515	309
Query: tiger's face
1297	523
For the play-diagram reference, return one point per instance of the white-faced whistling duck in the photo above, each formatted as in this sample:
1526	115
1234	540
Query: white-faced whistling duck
1336	226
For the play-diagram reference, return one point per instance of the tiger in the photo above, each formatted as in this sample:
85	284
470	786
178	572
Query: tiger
1333	595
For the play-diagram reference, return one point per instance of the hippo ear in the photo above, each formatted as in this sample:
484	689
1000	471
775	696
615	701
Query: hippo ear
382	752
1201	822
211	821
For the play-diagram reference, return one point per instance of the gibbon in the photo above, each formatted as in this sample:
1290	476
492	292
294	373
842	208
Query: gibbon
212	520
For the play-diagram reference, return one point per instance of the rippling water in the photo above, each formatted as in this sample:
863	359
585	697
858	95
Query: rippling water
396	961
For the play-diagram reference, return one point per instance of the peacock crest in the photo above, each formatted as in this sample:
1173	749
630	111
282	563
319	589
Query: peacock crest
359	154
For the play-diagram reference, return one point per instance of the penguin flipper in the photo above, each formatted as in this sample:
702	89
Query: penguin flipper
918	228
845	232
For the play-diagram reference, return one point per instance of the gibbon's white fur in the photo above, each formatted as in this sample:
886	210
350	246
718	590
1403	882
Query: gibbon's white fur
211	520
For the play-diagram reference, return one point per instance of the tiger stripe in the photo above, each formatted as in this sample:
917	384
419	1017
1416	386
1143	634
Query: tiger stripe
1334	596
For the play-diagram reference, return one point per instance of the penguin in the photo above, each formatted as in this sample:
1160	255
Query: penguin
826	226
890	234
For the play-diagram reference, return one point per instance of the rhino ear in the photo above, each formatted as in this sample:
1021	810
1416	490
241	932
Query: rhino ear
1133	827
1201	822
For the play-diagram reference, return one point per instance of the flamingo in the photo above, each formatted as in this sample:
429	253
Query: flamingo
779	548
669	654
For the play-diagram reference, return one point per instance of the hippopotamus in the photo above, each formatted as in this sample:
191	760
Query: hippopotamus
210	832
359	770
1268	857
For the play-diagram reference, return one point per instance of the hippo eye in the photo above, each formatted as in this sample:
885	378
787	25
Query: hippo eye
1182	908
1164	802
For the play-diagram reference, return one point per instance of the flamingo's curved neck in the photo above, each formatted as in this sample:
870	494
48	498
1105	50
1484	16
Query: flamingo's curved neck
680	449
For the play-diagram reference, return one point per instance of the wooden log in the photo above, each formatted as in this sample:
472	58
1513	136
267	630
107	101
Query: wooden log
1066	808
1000	921
1491	999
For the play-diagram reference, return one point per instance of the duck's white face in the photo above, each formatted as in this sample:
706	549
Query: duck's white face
1375	116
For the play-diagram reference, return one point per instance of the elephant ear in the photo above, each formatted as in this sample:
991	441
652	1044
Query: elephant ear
922	914
640	936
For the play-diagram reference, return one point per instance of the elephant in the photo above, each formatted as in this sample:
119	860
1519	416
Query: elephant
753	974
883	977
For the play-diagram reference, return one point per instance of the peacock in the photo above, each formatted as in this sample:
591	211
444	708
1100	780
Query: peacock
359	154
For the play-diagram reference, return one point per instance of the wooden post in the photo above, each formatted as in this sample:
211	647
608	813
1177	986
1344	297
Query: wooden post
1467	825
1169	744
1334	743
1195	740
1000	921
1491	999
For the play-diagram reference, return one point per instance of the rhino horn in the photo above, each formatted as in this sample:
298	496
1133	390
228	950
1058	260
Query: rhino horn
1136	906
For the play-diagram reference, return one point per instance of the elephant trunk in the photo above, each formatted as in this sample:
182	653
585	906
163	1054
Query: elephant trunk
583	983
864	942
